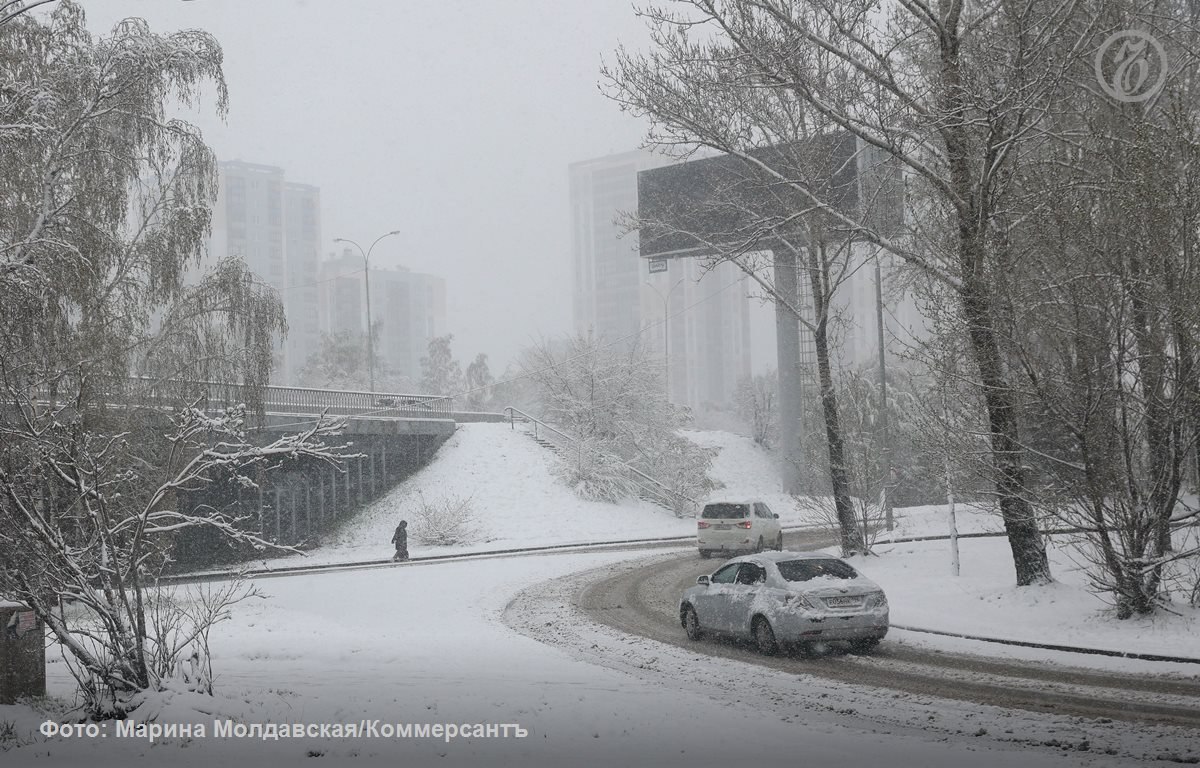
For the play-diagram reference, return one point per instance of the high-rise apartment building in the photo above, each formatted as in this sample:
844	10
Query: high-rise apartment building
699	320
275	227
302	249
340	293
407	309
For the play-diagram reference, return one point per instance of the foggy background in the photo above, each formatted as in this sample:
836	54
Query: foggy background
451	121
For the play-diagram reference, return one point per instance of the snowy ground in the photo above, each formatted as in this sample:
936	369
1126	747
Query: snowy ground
425	643
983	601
516	498
745	471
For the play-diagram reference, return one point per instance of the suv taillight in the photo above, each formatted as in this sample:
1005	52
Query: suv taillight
701	524
745	524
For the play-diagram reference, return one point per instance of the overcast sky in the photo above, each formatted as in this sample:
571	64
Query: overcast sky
453	121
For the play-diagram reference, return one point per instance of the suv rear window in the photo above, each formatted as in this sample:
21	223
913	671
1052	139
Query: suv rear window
725	511
803	570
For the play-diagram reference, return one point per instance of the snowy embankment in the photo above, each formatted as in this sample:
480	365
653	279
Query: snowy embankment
747	471
983	601
516	498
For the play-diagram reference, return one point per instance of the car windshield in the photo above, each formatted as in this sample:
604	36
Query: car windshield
726	511
803	570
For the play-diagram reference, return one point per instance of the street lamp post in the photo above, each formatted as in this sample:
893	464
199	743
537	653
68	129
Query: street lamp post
367	277
666	300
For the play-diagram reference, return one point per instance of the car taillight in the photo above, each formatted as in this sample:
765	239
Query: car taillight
701	524
745	524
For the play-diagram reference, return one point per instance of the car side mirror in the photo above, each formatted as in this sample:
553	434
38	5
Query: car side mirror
776	516
702	580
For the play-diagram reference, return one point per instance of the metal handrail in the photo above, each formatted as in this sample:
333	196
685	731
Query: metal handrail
297	400
658	488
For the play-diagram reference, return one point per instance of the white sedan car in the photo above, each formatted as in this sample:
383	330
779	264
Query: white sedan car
729	527
787	598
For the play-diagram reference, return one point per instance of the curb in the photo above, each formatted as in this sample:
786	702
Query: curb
1052	646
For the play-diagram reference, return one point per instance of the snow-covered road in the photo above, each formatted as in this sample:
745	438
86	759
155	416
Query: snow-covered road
430	644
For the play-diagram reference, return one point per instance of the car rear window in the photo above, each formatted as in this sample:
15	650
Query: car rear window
803	570
725	511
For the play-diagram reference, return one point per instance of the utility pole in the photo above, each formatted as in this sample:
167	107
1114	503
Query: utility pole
666	300
886	448
367	279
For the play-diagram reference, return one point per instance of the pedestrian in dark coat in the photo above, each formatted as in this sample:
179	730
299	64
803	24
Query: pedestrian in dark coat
400	539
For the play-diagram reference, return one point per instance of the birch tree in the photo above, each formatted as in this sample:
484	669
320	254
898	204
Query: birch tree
104	205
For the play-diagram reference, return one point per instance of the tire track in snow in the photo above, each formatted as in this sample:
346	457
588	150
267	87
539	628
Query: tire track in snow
595	616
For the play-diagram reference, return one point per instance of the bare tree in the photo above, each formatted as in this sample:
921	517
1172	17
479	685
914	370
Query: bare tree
756	405
610	399
949	91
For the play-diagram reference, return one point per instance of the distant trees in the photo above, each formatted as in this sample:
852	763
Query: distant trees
440	372
479	383
340	362
756	401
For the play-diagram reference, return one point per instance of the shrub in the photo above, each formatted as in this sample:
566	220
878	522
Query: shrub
445	522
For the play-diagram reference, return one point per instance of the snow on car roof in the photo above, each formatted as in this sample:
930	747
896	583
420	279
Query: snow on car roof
776	557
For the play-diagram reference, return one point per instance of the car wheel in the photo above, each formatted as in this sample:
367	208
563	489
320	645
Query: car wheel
760	546
779	542
705	554
864	646
691	624
764	636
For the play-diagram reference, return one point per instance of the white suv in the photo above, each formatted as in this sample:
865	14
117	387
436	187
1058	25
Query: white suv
727	527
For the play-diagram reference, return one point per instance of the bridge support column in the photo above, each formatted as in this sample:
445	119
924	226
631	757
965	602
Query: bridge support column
374	486
791	397
361	499
321	496
292	493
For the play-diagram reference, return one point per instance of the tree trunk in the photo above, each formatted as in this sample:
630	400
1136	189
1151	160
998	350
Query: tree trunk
1024	538
851	536
971	213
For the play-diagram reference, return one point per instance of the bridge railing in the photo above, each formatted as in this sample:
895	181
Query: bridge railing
168	393
335	402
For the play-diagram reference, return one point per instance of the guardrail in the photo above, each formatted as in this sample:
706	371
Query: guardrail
647	486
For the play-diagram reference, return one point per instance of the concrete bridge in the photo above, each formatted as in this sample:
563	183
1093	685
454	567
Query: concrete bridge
391	434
